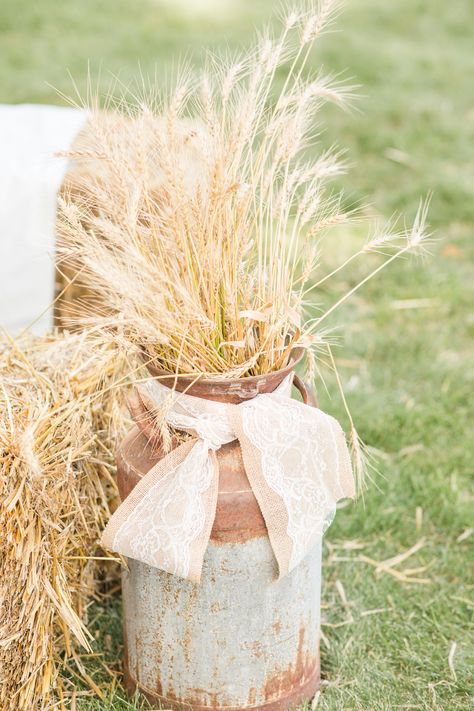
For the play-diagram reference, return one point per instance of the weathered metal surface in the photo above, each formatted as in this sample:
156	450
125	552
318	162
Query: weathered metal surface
240	639
233	390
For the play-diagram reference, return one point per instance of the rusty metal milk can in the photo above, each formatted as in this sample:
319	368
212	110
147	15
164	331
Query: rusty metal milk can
239	639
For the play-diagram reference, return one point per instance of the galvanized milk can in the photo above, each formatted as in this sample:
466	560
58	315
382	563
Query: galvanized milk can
241	638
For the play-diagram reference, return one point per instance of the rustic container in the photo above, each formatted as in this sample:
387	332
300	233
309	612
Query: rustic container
240	639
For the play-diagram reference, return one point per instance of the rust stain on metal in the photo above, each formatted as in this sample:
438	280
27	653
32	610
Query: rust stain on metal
159	688
194	703
295	676
229	390
186	644
256	649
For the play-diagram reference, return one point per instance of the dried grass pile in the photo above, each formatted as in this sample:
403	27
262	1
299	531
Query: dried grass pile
60	418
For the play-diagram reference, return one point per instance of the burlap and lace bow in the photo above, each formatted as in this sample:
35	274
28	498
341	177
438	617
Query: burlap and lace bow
295	457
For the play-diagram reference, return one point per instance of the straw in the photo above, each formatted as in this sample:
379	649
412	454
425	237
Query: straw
60	417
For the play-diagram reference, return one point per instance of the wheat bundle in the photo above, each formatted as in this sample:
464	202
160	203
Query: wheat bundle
200	218
59	419
201	222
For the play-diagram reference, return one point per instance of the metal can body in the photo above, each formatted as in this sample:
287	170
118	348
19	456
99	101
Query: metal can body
239	639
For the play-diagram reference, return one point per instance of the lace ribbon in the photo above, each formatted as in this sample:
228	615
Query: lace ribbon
295	457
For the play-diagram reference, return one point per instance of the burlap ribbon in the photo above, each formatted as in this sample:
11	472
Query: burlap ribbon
295	457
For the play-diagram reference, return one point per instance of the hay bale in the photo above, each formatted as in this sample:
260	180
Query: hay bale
60	417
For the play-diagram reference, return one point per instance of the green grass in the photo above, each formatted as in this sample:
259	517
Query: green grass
409	371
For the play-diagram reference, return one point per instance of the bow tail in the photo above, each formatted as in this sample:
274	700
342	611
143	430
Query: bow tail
271	505
166	520
298	465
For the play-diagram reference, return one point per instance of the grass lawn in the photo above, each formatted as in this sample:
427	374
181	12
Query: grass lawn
406	355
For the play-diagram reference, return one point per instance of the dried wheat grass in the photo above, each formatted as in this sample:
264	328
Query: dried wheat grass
200	223
60	418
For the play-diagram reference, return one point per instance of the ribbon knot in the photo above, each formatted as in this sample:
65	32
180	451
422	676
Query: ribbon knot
295	457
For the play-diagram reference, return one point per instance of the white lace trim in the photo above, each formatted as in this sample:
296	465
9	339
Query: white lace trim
170	516
294	466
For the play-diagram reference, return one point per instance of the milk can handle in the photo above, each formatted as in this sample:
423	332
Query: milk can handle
307	392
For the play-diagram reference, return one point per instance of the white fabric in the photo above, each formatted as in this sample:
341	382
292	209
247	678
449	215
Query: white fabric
301	454
30	177
171	515
274	425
